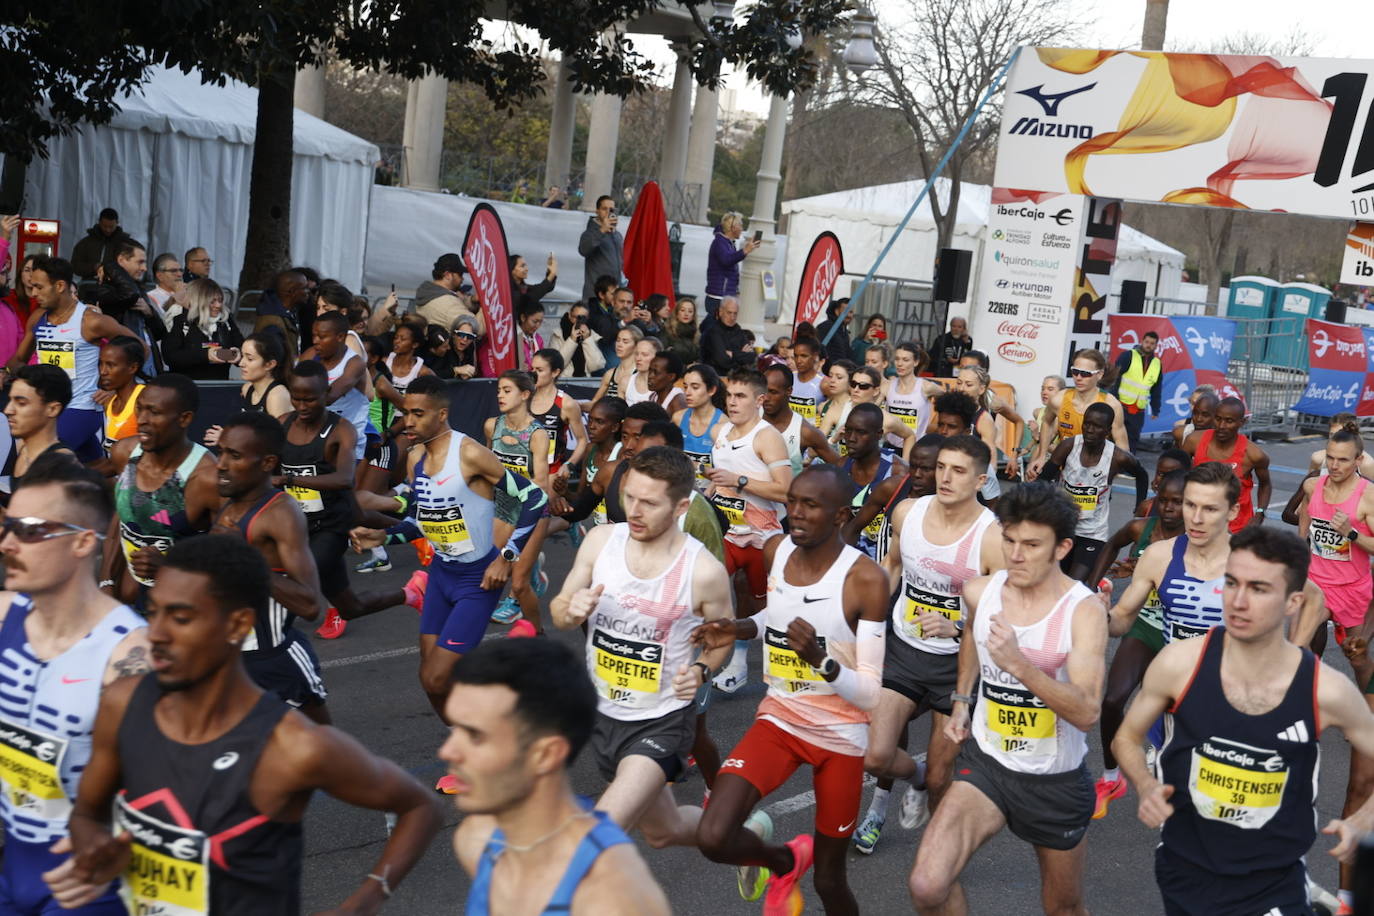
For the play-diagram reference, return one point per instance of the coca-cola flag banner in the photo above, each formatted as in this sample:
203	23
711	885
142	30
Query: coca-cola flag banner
1341	377
824	264
1193	351
484	256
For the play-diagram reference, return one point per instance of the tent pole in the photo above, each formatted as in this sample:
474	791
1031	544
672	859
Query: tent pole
930	182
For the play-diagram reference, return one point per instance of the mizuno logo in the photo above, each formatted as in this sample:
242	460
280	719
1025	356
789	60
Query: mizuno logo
1049	101
1297	733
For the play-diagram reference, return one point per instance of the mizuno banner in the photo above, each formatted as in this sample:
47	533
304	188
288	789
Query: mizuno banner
484	255
1341	377
824	264
1193	351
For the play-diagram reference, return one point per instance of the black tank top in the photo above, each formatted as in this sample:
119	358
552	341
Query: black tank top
259	406
272	627
554	424
615	512
197	836
323	509
1244	786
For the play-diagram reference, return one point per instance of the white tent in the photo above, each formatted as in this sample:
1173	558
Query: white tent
175	163
864	219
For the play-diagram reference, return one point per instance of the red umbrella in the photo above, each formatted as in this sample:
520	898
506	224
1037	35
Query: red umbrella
648	264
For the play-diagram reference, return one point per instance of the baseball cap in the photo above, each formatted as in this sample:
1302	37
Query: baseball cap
448	263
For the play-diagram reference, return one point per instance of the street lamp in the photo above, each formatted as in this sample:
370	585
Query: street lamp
859	53
723	9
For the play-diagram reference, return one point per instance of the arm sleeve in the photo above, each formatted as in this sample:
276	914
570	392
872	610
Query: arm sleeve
863	686
519	501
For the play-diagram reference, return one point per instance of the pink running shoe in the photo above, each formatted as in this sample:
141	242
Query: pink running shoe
784	896
415	589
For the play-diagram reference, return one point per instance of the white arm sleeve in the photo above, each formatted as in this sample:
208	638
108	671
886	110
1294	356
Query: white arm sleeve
863	686
758	620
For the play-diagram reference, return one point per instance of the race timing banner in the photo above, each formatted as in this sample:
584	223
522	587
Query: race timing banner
1193	350
1341	377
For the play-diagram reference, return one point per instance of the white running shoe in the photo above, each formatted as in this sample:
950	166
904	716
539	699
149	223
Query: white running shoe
733	676
915	809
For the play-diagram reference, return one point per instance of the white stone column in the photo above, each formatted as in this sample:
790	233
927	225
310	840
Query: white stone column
426	103
701	148
751	310
309	96
672	162
558	162
603	135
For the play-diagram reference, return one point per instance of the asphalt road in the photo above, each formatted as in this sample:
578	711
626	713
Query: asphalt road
371	675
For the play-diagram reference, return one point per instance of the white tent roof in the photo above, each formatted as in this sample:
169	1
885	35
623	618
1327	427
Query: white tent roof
887	203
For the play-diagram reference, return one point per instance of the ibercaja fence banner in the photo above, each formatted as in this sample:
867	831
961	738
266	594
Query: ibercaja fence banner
1341	374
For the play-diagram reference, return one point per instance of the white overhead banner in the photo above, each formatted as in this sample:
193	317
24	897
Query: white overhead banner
1222	130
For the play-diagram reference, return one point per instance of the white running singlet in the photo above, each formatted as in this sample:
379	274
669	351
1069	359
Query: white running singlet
933	576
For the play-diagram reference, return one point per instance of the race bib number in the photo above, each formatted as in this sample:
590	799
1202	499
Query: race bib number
168	873
874	529
803	407
30	771
918	601
59	353
1020	723
133	541
628	672
1085	498
1152	611
446	529
516	464
732	507
1179	630
1327	542
703	463
907	415
787	671
1236	784
310	500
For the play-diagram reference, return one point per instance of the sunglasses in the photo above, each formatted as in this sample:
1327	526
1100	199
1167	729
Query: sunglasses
466	335
1083	373
29	530
862	386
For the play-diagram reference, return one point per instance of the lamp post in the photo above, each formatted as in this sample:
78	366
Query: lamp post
859	52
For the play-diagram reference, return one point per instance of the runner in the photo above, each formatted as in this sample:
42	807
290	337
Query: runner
908	396
37	396
1049	387
835	410
559	413
1169	460
1226	444
919	481
1088	371
615	383
640	588
1236	794
823	645
510	750
798	434
701	419
263	366
121	360
805	391
404	363
67	333
637	386
1202	405
276	656
869	467
938	543
1037	645
976	382
347	374
604	422
165	484
1350	423
1088	464
61	643
239	834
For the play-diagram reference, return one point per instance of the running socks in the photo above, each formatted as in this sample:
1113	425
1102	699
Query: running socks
878	806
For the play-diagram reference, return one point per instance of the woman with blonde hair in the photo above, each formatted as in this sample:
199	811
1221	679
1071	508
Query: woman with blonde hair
723	260
977	384
616	382
204	341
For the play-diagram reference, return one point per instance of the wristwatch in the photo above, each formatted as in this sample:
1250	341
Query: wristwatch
705	670
1352	536
510	553
741	482
828	669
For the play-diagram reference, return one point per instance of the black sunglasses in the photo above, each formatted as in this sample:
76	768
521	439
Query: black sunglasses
861	386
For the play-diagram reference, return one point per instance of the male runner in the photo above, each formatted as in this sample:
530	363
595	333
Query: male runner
938	543
1226	445
640	588
823	655
38	394
61	643
526	839
347	374
1202	414
276	656
804	393
1035	651
919	481
798	433
66	333
237	836
165	486
1244	708
868	466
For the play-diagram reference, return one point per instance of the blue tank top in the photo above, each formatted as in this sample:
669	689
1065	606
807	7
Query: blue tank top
600	838
455	520
698	448
47	713
1244	786
1191	606
64	346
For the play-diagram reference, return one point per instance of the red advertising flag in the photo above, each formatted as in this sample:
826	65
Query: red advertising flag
824	264
1335	346
648	259
484	256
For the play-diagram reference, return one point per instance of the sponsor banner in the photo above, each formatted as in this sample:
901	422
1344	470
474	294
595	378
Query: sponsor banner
1096	253
1222	130
822	269
1357	267
1192	351
484	256
1341	377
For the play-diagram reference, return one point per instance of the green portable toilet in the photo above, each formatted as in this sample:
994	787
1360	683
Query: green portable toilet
1249	303
1292	304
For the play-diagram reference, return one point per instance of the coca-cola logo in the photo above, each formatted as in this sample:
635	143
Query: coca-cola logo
1014	351
1020	330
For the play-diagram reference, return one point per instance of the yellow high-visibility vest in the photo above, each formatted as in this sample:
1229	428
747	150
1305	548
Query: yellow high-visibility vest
1137	381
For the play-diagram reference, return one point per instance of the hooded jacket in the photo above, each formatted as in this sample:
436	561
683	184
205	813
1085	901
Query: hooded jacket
441	306
603	254
94	249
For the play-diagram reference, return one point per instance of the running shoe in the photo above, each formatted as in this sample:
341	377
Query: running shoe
1323	901
915	808
415	589
575	535
1107	791
374	564
521	629
507	612
866	837
732	677
784	896
753	879
539	579
333	626
447	784
424	550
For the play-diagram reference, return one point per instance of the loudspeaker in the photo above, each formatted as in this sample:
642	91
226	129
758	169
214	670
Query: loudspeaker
951	274
1335	310
1133	296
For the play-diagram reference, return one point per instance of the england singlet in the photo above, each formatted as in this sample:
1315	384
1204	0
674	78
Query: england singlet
913	408
64	346
1010	723
698	448
1089	489
933	577
806	397
638	635
353	406
1191	606
752	520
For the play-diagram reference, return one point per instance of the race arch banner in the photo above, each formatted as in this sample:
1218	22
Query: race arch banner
822	269
484	256
1193	351
1341	377
1222	130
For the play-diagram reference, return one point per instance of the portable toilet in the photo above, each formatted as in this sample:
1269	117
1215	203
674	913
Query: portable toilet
1249	303
1291	305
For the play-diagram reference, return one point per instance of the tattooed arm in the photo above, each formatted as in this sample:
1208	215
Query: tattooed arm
130	658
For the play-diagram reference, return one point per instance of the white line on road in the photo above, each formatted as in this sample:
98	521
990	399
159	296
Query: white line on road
801	801
370	657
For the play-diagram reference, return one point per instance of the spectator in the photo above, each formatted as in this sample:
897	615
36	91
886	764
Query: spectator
1139	385
277	310
875	332
170	284
98	245
626	312
121	296
198	264
946	349
838	346
204	341
520	273
680	331
528	340
722	262
11	325
601	316
556	199
660	310
463	348
440	301
601	247
578	343
726	345
19	298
